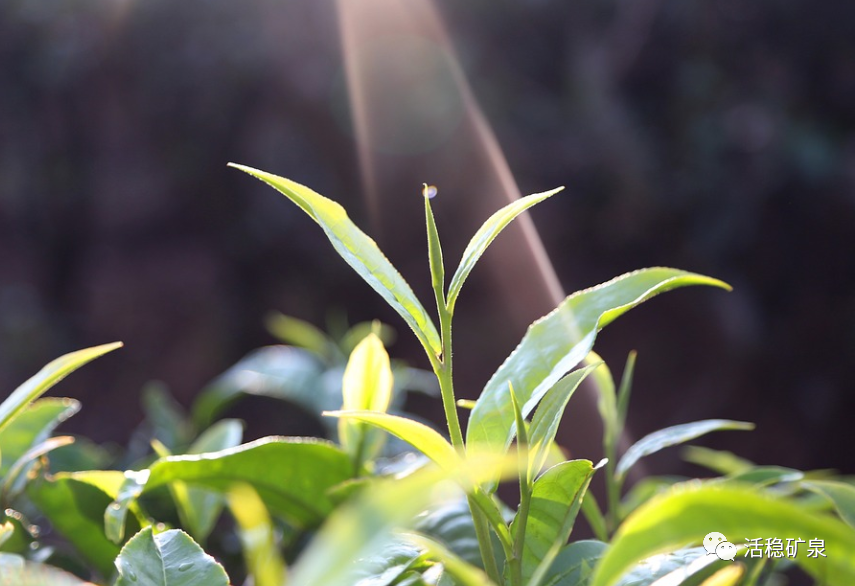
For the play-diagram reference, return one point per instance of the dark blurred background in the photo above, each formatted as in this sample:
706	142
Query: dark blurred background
714	136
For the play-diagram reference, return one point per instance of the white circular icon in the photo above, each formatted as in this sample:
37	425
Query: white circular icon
725	551
712	540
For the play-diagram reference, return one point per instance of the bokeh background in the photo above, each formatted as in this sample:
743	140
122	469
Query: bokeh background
716	136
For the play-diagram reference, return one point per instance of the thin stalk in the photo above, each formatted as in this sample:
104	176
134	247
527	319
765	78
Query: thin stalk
613	485
525	491
485	542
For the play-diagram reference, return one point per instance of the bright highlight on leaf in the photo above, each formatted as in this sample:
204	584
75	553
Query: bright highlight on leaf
367	386
46	378
557	342
360	252
485	236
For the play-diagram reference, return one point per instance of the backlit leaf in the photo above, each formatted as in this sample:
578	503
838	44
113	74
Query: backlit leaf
672	436
685	514
47	377
485	235
557	342
361	253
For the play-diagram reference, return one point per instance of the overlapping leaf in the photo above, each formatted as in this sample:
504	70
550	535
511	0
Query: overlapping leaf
558	342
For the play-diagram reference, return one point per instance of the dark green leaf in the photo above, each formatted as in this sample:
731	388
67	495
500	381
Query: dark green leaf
555	501
291	475
547	416
574	563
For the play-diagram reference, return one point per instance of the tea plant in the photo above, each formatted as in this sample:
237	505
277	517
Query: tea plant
310	512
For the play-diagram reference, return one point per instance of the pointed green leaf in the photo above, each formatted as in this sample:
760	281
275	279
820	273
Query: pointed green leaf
841	495
558	342
555	501
263	560
291	475
485	235
170	558
437	267
671	436
625	387
687	513
547	416
361	253
367	386
418	435
47	377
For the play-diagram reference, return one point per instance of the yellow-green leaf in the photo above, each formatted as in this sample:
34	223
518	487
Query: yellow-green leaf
418	435
360	252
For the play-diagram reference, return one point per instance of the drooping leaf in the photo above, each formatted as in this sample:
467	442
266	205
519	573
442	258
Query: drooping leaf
263	560
672	436
366	386
683	515
32	426
547	416
170	558
485	235
361	253
47	377
556	343
199	508
841	495
282	372
75	504
419	435
555	501
291	475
